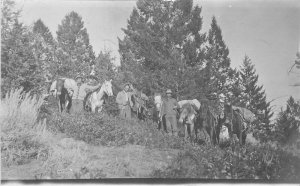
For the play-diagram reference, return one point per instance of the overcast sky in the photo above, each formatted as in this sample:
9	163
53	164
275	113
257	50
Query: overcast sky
267	31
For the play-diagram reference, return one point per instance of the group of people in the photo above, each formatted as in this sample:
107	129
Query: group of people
169	107
129	98
77	93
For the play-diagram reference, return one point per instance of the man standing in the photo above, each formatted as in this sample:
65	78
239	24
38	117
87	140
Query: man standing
169	108
79	93
124	101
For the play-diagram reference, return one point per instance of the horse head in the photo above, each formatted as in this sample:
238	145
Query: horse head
187	114
107	88
157	101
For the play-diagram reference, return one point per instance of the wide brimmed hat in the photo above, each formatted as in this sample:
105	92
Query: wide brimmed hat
127	84
78	76
169	91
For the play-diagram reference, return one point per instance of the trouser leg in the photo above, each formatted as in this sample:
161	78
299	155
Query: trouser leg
168	125
128	112
77	106
174	125
171	122
122	113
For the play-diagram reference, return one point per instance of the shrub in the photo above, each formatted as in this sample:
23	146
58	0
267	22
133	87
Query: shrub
23	137
247	162
101	129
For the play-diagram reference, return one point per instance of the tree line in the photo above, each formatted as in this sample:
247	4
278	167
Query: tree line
164	47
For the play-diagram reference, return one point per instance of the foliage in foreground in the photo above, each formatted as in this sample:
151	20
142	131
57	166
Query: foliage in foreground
249	162
23	137
106	130
68	158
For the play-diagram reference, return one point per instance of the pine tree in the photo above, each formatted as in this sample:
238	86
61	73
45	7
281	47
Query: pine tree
40	28
162	42
288	123
19	67
44	50
8	18
75	54
217	70
104	67
253	96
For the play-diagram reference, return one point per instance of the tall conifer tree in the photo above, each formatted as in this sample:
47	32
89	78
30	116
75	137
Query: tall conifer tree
163	42
253	96
75	54
288	123
45	50
217	70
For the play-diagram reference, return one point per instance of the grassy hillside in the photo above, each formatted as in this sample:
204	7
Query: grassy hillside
61	146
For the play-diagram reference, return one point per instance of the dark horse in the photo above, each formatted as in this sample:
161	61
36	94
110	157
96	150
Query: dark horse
139	107
207	122
64	99
234	122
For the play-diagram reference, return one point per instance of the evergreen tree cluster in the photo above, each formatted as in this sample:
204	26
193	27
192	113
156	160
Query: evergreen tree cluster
164	43
32	57
164	47
287	125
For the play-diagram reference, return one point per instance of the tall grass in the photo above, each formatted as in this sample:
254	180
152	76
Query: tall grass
23	137
19	111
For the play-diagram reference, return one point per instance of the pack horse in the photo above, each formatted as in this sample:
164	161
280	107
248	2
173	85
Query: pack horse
61	89
95	99
188	116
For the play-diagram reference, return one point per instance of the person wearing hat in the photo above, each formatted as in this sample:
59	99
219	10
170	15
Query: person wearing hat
79	93
124	102
169	110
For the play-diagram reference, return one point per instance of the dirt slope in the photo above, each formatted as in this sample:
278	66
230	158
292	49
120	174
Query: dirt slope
130	161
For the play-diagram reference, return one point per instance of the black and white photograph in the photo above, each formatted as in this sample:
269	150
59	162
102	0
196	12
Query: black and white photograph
157	91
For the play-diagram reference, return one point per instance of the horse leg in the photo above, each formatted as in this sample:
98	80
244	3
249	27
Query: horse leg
185	131
196	133
212	142
60	105
212	132
69	105
93	108
99	109
244	137
192	132
206	135
241	137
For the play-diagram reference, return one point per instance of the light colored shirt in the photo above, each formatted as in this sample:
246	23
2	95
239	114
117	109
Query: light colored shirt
123	98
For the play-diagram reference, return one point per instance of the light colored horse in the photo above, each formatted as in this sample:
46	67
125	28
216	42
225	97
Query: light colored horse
68	84
158	102
188	117
96	98
195	102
